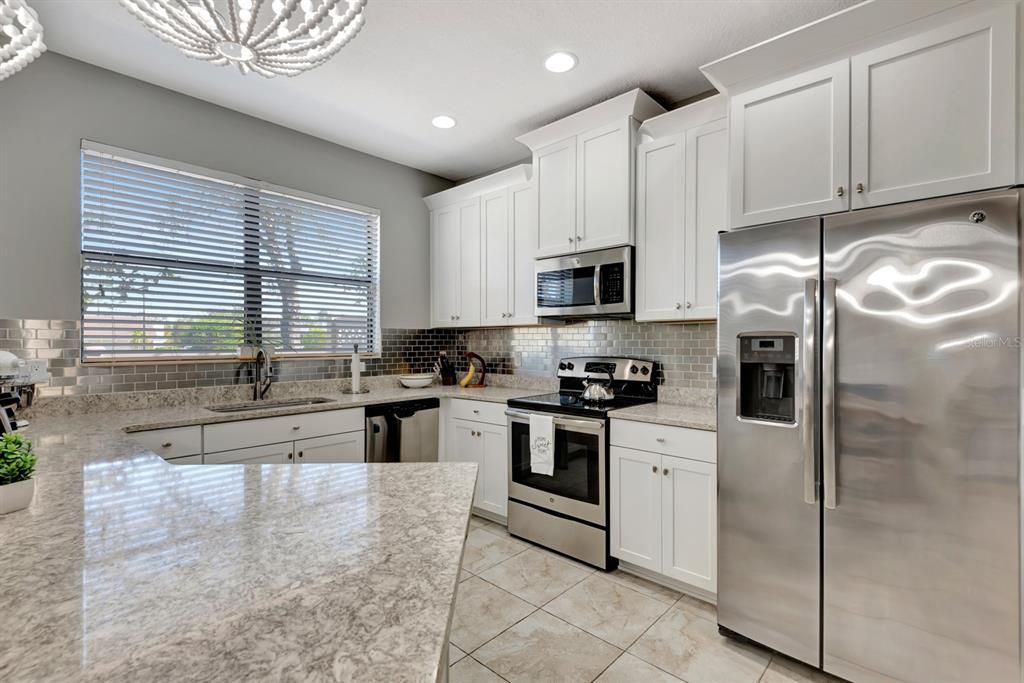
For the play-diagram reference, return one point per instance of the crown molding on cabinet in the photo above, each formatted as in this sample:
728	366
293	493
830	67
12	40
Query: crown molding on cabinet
516	175
677	120
852	29
635	103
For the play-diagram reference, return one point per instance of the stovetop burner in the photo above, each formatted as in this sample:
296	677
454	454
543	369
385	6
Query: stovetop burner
572	403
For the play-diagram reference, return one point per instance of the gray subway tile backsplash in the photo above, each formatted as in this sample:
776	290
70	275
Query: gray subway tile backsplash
684	352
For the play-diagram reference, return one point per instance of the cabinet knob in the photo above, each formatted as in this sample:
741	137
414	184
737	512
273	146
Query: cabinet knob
660	439
689	304
296	428
666	472
300	454
578	238
860	188
840	191
165	444
476	412
654	468
289	456
570	239
678	305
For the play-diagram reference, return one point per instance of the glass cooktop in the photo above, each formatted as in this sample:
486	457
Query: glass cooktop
572	403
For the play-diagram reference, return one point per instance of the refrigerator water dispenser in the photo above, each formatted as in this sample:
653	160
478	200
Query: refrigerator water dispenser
767	377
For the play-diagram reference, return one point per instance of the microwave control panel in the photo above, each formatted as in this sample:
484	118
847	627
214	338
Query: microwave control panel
613	283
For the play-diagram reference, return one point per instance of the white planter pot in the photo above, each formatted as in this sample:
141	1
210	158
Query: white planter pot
16	496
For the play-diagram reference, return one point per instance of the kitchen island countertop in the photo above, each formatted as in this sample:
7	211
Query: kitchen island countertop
127	568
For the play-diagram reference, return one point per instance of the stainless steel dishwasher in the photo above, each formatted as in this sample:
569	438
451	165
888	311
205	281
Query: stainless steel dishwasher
403	431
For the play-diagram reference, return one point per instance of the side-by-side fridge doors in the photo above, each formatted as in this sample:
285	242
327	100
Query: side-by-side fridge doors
920	454
769	519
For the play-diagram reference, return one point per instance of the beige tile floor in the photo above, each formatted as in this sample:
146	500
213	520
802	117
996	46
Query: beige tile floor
525	614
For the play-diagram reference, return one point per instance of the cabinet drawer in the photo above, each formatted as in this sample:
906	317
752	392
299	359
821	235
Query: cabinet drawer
172	443
694	444
232	435
478	411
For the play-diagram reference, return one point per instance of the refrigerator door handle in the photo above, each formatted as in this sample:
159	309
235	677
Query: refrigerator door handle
828	392
807	432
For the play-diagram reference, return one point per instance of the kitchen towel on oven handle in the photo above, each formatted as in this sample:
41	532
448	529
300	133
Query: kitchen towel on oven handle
542	444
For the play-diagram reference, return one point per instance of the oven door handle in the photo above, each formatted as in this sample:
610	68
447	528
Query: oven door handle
563	421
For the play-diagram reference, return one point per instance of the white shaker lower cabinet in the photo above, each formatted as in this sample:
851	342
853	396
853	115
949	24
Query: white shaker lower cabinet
664	505
486	444
347	447
272	454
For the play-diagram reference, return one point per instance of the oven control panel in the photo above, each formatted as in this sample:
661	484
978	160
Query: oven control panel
584	367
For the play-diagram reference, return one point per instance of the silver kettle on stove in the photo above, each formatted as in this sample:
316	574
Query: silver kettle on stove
599	391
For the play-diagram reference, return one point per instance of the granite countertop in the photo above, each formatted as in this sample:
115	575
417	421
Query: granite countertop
127	568
181	416
672	414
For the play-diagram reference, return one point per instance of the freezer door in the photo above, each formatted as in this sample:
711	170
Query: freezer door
920	441
768	518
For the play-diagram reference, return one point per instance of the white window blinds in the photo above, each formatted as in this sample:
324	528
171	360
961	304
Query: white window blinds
179	262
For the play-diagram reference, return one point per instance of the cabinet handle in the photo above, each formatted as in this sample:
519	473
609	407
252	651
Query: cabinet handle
165	444
300	454
289	456
860	188
840	191
654	468
666	471
660	439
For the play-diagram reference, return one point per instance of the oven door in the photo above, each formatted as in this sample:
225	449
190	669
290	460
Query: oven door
577	487
588	284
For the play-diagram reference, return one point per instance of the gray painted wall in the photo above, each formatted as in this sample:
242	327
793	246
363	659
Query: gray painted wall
49	107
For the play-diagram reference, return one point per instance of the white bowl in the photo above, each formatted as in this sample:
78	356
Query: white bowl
416	381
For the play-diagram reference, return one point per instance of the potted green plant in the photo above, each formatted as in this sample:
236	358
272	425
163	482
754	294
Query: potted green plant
17	463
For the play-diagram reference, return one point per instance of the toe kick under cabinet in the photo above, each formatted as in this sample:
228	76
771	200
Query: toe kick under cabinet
664	501
330	436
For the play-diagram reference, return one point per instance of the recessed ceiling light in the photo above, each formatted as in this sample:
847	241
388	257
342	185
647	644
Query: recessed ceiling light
443	121
560	62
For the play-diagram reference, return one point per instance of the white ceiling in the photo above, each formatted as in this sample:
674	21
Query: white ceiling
480	61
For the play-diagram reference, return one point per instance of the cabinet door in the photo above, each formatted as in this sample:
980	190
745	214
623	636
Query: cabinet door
689	519
604	209
492	443
347	447
707	154
660	247
468	311
497	259
790	150
555	169
933	114
522	283
275	453
464	446
444	276
635	498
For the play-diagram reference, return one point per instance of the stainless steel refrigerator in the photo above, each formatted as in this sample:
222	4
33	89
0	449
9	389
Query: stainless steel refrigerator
869	448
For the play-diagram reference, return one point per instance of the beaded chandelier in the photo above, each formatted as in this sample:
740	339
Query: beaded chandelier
21	36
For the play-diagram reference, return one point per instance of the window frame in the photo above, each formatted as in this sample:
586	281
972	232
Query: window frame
256	185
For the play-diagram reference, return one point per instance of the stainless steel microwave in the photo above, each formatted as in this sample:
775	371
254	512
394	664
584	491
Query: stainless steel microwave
593	284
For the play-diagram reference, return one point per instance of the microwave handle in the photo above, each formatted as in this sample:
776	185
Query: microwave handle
597	285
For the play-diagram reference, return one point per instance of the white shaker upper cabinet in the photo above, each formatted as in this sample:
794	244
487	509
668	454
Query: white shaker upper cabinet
523	244
660	242
604	204
444	266
468	312
707	173
497	258
555	169
933	114
790	149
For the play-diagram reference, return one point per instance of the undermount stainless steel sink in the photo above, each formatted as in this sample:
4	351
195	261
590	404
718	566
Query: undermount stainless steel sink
265	405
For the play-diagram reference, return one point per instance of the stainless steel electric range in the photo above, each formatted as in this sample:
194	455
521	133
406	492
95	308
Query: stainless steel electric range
568	510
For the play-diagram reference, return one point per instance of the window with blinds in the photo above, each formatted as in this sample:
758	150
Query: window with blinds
181	262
